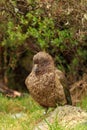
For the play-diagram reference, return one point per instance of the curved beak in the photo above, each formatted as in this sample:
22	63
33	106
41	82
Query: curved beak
35	68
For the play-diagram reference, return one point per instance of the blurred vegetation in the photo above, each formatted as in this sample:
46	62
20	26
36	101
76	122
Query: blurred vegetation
19	113
58	27
24	114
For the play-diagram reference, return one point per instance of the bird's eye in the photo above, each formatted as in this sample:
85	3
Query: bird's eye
35	61
45	61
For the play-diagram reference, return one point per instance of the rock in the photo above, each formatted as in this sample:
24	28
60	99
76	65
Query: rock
66	116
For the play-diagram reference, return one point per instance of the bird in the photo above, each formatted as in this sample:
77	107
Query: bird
46	84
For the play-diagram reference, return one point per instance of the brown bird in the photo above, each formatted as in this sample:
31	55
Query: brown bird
46	84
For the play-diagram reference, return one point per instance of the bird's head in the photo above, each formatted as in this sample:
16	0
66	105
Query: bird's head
43	62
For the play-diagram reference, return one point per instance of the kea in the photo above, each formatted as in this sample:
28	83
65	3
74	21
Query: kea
47	85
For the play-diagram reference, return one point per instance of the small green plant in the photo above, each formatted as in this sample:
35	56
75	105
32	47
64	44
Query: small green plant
54	126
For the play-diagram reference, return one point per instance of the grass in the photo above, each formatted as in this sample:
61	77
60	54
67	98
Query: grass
24	113
83	103
54	126
19	113
81	127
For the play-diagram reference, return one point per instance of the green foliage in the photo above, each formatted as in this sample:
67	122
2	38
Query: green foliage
14	36
47	36
41	30
49	29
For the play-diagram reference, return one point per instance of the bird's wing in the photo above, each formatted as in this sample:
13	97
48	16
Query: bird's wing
60	75
59	91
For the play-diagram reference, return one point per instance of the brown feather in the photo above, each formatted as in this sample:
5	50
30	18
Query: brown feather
44	81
